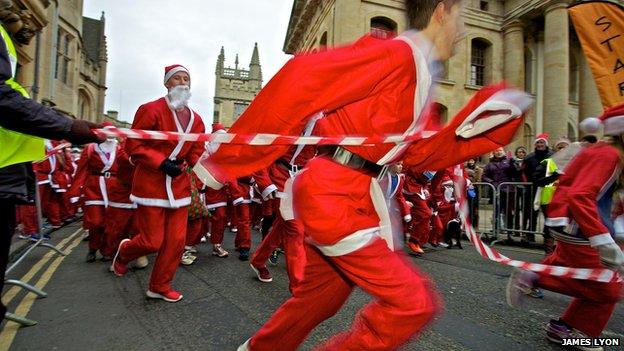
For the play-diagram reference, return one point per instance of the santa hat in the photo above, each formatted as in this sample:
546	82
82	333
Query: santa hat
173	69
612	120
543	137
108	125
217	127
563	140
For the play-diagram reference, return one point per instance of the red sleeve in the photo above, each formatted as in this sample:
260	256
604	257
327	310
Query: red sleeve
446	149
305	86
584	191
81	174
137	149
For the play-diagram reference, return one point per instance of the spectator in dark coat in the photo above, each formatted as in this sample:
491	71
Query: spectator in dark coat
530	170
501	170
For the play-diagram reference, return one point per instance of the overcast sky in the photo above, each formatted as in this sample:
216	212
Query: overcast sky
144	36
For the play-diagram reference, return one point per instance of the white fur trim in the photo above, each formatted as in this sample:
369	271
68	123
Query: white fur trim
601	239
125	205
94	203
286	207
268	190
237	201
350	243
511	103
216	204
381	207
43	182
407	218
205	176
557	222
175	70
74	199
165	203
590	125
614	125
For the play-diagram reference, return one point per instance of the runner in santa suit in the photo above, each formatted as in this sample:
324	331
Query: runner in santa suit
416	192
242	193
444	201
160	189
579	217
374	87
97	169
50	203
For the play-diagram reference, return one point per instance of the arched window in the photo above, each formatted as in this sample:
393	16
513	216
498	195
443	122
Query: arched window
323	41
84	105
571	132
528	136
480	62
574	78
383	27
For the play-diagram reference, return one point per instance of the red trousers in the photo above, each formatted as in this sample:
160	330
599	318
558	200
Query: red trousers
68	210
94	221
243	237
195	229
119	225
593	302
421	220
217	225
27	215
51	204
289	236
161	230
405	301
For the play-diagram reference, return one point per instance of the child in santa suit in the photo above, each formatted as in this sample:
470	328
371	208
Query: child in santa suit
159	187
374	87
579	217
97	169
416	192
445	205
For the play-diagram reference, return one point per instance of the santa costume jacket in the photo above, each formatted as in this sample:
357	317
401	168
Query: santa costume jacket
151	186
379	87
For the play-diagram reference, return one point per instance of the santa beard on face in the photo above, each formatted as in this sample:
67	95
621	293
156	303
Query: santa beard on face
179	96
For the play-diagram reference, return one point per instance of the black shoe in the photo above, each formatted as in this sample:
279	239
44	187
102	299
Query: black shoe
243	254
91	256
273	258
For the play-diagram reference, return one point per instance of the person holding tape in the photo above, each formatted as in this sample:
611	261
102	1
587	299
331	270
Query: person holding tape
160	189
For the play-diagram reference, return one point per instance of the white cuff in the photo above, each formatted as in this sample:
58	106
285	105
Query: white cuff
408	218
268	190
206	177
73	200
601	239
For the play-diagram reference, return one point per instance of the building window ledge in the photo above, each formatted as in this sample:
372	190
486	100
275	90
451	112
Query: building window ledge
445	81
473	87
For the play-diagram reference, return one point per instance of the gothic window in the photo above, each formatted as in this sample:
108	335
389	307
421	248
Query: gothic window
323	41
484	5
239	108
383	27
574	78
62	56
479	62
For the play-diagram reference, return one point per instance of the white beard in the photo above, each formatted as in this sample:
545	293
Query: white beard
179	96
109	145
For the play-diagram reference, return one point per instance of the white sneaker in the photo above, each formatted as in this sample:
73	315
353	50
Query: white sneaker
186	260
244	347
191	249
141	262
219	251
234	230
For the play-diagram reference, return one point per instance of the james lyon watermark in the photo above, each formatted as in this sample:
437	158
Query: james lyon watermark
592	342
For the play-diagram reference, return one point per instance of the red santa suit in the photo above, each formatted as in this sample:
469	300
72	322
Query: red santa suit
162	201
50	201
416	191
97	169
579	217
363	89
242	194
120	211
443	199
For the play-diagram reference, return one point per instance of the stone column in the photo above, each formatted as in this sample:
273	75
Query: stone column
589	99
513	63
556	70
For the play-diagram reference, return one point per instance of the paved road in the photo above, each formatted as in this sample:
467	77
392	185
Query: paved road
90	309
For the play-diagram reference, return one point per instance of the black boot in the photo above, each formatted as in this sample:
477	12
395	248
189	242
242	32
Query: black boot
91	256
243	254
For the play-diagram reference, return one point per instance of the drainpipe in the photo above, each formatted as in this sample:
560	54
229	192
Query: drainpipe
35	87
54	49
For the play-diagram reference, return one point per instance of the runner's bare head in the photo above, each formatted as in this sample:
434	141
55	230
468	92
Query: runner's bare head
440	21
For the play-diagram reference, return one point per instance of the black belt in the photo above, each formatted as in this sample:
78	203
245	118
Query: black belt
104	174
353	161
288	166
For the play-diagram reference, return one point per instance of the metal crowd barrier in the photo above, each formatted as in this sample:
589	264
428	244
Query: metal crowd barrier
506	213
39	243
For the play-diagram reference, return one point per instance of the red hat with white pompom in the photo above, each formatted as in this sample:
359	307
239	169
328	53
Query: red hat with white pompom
612	120
173	69
542	137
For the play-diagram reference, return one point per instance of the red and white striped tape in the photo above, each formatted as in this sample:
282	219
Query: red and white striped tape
595	274
54	151
260	139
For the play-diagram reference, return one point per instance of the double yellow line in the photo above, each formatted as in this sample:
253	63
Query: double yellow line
10	329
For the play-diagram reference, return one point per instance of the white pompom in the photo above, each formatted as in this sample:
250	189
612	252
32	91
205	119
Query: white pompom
590	125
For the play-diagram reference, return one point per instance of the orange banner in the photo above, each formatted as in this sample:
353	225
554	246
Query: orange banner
600	28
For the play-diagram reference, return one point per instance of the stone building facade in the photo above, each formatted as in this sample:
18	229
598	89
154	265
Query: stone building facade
529	43
235	88
65	63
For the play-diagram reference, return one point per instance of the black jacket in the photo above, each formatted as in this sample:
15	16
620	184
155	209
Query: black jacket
26	116
531	165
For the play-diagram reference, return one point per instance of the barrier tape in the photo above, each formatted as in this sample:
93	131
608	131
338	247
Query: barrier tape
260	139
594	274
54	151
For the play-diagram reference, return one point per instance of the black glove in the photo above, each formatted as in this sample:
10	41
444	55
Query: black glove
81	133
170	167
